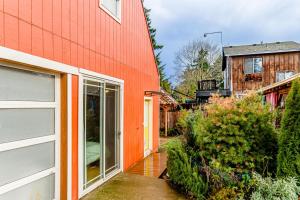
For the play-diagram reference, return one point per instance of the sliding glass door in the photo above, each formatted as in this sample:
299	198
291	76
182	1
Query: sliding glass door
101	129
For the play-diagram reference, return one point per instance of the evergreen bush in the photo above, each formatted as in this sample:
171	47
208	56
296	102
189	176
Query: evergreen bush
236	135
289	138
181	171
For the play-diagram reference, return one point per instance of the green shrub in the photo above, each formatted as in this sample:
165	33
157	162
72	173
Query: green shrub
226	194
289	138
269	189
235	135
182	121
222	147
181	171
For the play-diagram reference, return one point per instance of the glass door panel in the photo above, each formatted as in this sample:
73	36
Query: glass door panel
112	130
93	132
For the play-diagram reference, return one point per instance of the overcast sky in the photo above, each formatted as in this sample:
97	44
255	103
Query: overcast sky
242	22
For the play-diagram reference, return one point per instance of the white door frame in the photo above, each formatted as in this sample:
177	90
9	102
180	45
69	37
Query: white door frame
148	152
34	141
86	74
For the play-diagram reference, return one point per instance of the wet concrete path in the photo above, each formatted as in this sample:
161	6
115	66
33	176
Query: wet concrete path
152	166
134	187
141	182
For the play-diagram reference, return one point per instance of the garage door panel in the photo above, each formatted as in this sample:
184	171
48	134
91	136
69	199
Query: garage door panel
42	189
21	124
29	134
27	85
23	162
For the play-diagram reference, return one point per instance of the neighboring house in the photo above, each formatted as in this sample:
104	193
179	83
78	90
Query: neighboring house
73	110
251	67
276	93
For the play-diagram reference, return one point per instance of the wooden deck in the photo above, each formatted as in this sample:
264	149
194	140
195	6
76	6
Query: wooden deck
152	166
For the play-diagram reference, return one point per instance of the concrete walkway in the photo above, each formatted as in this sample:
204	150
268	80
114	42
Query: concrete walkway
134	187
152	166
141	182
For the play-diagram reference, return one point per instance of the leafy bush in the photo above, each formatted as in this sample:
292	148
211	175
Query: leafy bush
289	138
181	171
182	121
235	135
269	189
226	194
172	132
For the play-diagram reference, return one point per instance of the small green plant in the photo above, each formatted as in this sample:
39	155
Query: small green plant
289	138
181	171
280	189
226	194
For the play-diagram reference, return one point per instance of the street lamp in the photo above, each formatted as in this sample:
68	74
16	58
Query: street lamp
217	32
221	34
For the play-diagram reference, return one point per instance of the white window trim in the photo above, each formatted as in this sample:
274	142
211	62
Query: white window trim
35	141
252	58
86	74
117	18
7	54
147	153
284	72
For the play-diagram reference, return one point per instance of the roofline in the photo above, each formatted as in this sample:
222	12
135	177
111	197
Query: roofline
283	82
263	52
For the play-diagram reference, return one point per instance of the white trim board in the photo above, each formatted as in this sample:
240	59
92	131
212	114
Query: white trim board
25	58
10	55
100	76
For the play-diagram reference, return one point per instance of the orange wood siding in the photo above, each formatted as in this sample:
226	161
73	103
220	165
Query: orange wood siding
79	33
271	64
74	137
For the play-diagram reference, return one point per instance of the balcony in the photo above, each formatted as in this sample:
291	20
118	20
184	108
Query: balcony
207	88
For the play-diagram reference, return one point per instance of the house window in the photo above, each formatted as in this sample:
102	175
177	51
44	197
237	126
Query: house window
280	76
253	65
112	7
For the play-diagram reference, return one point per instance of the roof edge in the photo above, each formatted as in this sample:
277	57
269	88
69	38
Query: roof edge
263	52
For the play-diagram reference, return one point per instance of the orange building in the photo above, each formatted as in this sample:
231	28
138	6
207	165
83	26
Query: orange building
73	109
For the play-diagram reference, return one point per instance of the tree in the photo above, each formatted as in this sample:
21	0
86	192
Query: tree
289	138
196	61
164	81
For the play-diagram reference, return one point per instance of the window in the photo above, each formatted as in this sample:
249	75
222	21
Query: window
113	7
280	76
253	65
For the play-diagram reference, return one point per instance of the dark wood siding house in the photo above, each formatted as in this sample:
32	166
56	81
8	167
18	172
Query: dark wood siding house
253	67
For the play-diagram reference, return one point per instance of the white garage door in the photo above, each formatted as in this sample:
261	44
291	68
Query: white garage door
29	133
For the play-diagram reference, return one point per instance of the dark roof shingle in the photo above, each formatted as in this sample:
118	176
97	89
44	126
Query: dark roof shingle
264	48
